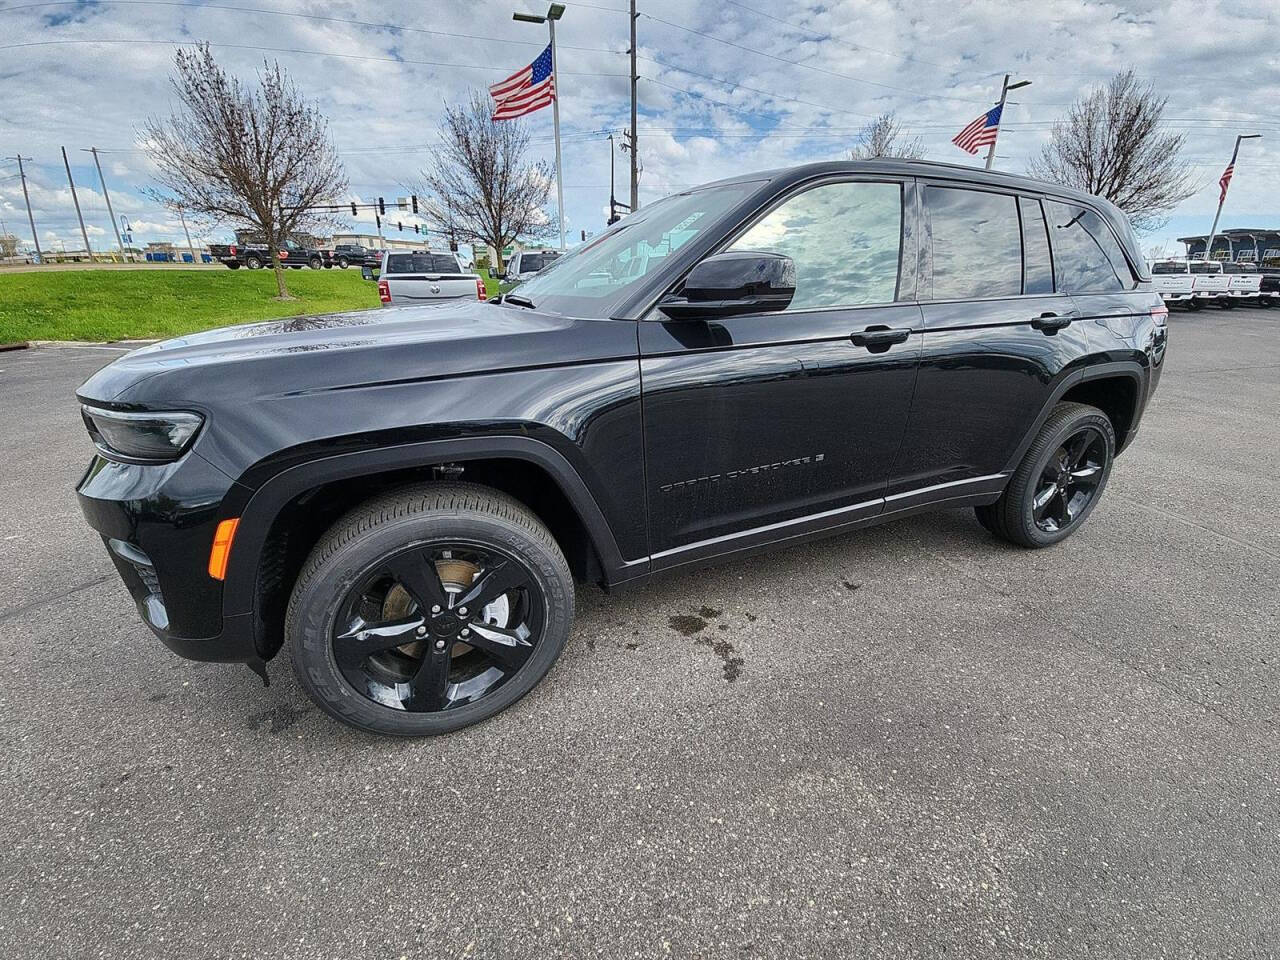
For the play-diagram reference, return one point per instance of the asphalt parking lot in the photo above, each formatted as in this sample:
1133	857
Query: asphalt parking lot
914	741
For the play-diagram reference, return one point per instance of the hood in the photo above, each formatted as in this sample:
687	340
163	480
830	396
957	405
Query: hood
347	350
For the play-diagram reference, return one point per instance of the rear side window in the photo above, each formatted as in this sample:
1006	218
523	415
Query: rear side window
845	239
533	262
1037	265
1169	268
421	263
1086	254
977	244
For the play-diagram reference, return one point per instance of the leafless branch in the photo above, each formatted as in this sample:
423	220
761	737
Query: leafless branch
884	137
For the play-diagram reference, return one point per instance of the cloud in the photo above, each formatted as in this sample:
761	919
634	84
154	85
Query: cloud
725	89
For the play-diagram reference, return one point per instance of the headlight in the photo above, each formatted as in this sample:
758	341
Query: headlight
152	437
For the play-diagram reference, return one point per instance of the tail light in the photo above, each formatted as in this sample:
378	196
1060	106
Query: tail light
233	249
1160	315
384	291
480	289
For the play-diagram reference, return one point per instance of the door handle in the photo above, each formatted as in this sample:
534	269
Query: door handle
1050	322
878	339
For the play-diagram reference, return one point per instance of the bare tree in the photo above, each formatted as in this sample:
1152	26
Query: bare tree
884	137
479	185
1110	144
254	158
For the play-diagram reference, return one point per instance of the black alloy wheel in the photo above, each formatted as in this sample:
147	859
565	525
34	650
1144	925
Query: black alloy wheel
342	263
1059	480
438	625
428	609
253	263
1070	480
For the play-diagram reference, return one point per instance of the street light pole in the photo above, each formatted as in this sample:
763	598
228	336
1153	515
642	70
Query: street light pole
635	144
76	200
554	13
1222	198
107	197
1004	93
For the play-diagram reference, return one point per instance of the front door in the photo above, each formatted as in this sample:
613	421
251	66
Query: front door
761	425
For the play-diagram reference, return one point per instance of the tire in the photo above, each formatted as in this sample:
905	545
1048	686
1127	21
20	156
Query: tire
315	263
343	263
1079	481
1226	303
233	265
346	590
1195	305
253	263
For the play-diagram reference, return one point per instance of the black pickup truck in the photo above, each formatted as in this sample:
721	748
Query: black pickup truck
255	257
408	496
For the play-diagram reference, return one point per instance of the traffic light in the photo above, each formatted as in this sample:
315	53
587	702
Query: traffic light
414	199
378	220
382	208
354	212
400	226
415	228
584	236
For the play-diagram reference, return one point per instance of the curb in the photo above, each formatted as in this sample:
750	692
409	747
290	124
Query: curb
17	345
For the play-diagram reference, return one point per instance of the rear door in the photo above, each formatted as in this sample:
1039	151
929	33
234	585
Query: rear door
998	331
413	277
762	425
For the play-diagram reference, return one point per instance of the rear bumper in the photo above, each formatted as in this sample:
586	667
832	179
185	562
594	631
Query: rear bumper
157	524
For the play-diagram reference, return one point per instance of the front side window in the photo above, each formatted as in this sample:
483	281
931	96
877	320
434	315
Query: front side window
1086	253
977	244
845	239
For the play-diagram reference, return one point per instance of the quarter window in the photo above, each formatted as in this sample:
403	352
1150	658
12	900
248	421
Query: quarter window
845	239
977	245
1037	267
1086	254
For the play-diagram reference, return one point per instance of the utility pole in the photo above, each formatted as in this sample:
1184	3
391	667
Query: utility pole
107	197
76	200
635	145
27	198
190	248
613	201
1004	93
1222	197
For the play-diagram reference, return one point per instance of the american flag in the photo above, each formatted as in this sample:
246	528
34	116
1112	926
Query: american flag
981	133
1226	180
528	89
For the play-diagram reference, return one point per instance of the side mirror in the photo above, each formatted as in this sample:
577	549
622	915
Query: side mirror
743	281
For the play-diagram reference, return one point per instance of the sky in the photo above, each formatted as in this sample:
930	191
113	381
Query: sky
725	88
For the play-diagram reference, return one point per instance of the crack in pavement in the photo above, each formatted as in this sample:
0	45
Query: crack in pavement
44	602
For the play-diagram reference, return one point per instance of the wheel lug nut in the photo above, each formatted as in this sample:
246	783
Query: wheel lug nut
464	632
422	631
439	644
462	611
435	608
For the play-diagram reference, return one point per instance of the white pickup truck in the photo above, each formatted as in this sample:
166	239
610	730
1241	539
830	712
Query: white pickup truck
423	276
1195	283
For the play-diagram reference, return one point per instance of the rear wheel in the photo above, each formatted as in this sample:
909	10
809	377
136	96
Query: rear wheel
1195	304
315	263
253	263
343	262
428	610
1058	482
233	265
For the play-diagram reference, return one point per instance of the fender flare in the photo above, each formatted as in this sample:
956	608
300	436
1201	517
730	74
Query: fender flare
266	502
1098	371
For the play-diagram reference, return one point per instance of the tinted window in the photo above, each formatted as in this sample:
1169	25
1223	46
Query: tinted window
845	239
533	262
422	263
977	247
1086	253
1169	267
1037	266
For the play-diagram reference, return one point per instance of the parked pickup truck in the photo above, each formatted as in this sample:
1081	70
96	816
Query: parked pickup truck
420	276
527	263
256	257
345	255
1173	281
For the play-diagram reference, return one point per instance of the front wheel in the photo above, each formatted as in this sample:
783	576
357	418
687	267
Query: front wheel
1058	482
429	609
315	263
253	263
343	263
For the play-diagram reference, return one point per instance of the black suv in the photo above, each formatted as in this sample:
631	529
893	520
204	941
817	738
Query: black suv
408	496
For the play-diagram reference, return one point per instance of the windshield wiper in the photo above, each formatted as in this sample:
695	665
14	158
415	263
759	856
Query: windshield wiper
518	300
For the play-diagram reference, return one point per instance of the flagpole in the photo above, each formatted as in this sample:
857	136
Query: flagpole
991	151
555	114
1222	198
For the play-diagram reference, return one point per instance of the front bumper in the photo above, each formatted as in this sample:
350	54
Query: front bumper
157	523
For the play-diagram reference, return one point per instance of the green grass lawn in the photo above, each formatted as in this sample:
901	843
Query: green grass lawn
128	304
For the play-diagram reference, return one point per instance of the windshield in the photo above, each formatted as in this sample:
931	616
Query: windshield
592	279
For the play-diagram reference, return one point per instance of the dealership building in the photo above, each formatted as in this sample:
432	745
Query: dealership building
1248	244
